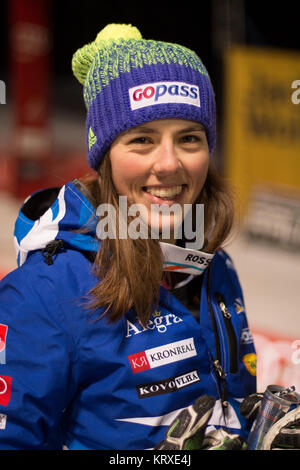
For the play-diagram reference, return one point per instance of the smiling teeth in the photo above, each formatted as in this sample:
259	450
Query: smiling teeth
165	192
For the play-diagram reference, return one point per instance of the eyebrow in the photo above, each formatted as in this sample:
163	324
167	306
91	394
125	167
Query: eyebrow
142	129
195	127
139	130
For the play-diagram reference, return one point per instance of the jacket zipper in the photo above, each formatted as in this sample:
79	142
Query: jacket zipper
217	366
231	336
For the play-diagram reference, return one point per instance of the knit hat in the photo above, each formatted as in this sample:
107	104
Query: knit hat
129	81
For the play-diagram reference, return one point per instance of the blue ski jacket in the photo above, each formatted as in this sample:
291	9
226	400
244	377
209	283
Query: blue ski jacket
70	379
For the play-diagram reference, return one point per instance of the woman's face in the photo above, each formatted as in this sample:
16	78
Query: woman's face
160	162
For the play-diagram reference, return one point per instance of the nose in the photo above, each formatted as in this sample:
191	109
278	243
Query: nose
166	159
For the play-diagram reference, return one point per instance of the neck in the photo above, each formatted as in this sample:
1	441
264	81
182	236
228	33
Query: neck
172	240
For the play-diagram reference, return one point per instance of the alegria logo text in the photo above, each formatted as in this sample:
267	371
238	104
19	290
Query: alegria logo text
2	92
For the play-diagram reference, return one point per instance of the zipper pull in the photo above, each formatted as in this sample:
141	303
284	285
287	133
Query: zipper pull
222	375
219	369
223	307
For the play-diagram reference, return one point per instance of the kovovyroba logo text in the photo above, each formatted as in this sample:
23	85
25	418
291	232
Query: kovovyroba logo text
169	385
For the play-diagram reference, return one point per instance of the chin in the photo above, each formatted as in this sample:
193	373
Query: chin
165	227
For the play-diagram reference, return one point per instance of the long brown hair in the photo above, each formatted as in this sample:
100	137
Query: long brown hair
130	271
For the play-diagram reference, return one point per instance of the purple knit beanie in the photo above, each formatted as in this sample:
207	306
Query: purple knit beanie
129	81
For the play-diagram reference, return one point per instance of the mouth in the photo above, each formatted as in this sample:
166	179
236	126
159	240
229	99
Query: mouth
165	193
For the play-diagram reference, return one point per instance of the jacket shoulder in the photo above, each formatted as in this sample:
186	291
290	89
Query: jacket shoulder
225	272
224	256
35	284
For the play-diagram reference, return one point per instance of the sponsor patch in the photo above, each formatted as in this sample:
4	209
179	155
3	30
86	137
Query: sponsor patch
250	361
159	322
169	385
150	94
2	421
5	389
3	333
239	307
246	336
162	355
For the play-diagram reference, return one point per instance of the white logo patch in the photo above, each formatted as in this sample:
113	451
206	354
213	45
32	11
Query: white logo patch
2	421
156	357
150	94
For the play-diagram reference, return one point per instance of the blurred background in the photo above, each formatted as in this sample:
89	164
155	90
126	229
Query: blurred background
252	52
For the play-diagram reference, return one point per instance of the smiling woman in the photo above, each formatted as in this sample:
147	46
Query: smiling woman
134	328
165	162
173	168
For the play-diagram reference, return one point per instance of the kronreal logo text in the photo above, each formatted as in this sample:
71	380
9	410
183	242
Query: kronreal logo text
156	357
172	384
150	94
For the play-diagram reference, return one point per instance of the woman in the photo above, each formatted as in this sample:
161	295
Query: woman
115	320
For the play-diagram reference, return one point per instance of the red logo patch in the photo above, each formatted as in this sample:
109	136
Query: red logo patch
5	389
3	332
139	362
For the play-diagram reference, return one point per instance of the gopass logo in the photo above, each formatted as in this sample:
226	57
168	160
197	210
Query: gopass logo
156	357
150	94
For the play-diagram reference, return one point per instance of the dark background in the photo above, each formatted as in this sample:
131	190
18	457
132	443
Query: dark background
208	27
205	26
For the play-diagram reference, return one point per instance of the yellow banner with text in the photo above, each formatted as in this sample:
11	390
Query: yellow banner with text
262	121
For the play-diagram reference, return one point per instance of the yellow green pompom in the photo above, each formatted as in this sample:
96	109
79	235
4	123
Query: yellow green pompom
118	31
83	58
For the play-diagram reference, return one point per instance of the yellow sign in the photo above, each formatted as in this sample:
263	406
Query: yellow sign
262	119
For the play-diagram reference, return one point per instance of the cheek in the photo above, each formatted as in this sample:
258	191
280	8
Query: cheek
198	172
126	174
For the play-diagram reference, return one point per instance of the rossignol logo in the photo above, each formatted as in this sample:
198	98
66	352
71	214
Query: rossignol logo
158	322
198	259
172	384
162	355
150	94
3	333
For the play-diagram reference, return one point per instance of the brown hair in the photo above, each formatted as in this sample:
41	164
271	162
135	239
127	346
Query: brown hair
130	271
